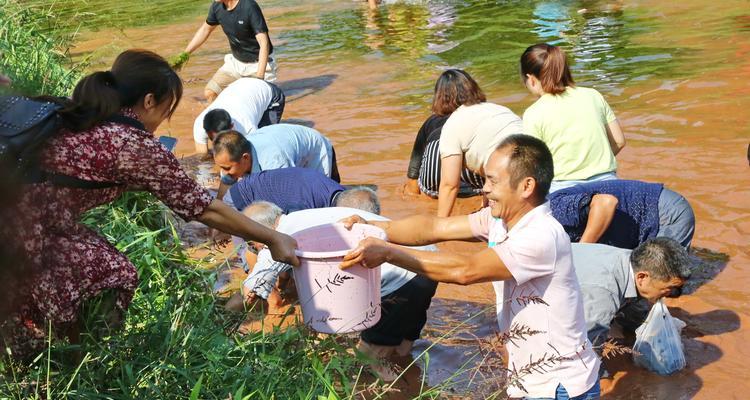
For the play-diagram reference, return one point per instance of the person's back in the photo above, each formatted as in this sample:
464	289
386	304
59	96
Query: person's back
286	145
603	272
572	124
475	131
636	216
291	189
246	99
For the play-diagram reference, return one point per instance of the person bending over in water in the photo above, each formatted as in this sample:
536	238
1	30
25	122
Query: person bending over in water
107	138
529	256
245	105
454	88
272	147
612	279
467	140
576	123
622	213
246	29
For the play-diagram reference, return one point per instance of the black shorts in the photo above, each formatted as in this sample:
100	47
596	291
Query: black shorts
276	109
403	313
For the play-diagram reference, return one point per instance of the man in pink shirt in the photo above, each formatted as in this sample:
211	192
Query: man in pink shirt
528	259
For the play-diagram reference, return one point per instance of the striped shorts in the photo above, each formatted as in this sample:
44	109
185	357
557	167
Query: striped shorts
429	174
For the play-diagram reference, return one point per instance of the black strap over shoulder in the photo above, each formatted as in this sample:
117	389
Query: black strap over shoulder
25	125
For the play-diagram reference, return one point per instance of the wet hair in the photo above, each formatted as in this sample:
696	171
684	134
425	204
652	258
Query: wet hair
264	213
529	157
663	258
548	64
361	198
134	74
453	89
217	120
232	142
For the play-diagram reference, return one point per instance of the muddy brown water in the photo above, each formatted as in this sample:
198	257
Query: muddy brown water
676	74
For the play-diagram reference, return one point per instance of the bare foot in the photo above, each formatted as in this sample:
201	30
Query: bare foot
381	366
411	188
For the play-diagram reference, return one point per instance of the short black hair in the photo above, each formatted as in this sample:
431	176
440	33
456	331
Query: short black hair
217	120
663	258
529	157
233	143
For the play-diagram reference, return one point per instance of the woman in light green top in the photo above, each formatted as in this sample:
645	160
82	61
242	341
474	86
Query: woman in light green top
576	123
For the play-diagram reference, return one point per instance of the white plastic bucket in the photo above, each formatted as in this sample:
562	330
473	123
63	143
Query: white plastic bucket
335	300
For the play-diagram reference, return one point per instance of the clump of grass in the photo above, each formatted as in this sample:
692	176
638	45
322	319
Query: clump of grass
176	341
34	53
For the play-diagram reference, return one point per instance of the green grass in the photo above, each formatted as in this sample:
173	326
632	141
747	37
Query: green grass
176	341
34	53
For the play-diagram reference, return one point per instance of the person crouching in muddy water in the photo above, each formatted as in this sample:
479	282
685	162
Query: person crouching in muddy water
612	279
453	89
272	147
246	29
107	141
466	141
405	296
528	261
245	105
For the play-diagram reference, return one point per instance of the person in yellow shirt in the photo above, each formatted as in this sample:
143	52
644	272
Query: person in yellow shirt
576	123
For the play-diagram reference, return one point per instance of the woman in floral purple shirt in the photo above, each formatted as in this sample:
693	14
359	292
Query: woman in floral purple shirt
67	262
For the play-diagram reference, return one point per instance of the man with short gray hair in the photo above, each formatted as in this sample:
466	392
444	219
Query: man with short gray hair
612	278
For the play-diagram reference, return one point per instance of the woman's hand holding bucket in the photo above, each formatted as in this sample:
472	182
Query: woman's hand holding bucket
370	253
282	249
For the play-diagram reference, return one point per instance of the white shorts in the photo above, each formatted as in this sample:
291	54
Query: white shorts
234	69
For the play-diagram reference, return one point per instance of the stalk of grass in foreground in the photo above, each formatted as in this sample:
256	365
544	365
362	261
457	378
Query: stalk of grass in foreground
33	52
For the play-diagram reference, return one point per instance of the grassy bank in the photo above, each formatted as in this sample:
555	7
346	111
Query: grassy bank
176	342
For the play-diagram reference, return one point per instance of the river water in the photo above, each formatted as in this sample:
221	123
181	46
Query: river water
676	74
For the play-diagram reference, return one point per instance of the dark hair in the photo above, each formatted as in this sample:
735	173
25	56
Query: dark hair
529	157
453	89
662	257
233	143
548	64
217	120
134	74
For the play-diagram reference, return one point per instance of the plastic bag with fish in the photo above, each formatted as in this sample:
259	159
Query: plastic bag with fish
658	346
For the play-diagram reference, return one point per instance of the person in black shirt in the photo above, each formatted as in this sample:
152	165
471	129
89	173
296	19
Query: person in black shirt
246	29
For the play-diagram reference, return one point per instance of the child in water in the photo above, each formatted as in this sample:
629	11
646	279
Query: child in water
576	123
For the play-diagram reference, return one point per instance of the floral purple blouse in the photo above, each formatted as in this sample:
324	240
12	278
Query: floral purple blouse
70	263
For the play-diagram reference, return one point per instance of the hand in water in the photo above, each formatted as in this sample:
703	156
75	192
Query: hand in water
370	253
354	219
282	249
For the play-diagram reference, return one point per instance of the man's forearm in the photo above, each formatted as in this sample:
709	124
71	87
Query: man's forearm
199	38
263	54
438	266
417	230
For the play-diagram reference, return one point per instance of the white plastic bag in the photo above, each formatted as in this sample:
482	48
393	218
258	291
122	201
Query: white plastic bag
658	346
